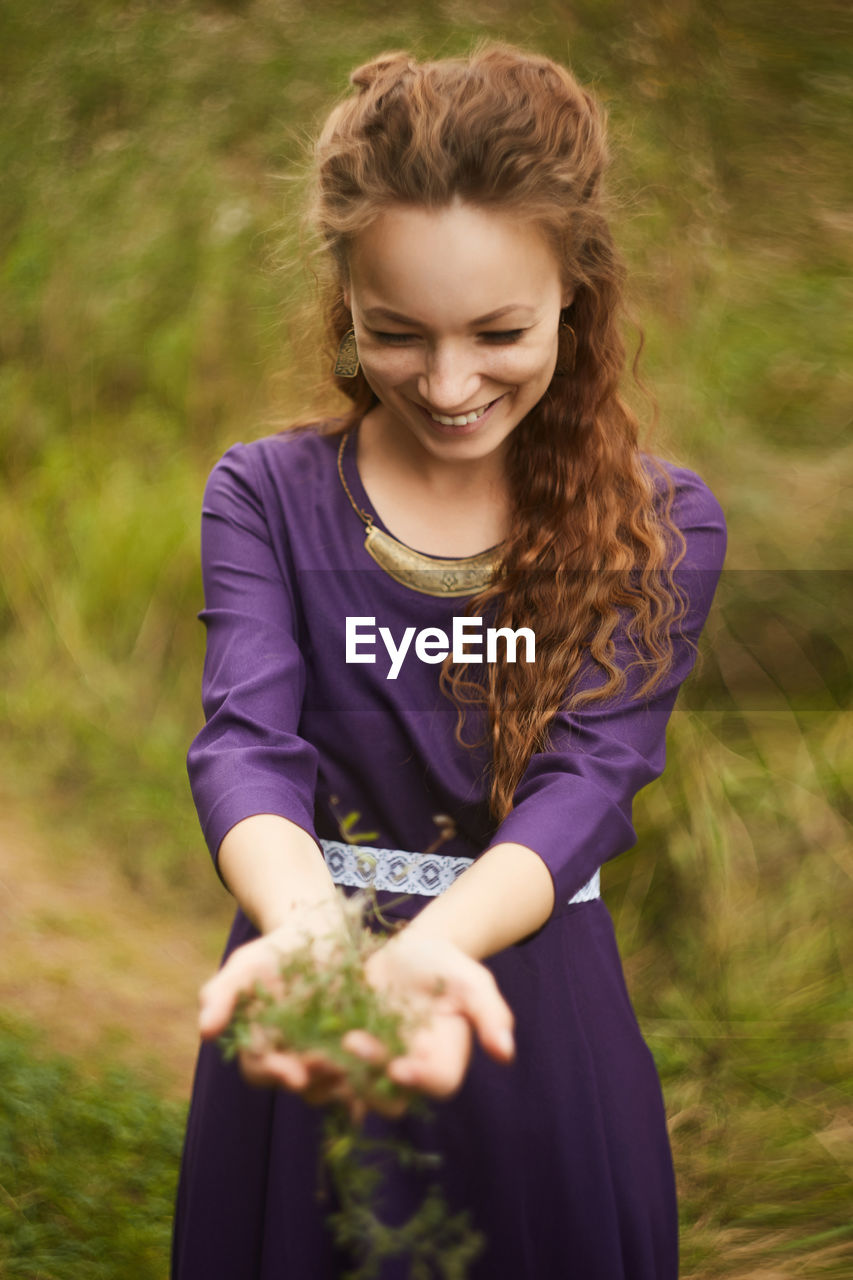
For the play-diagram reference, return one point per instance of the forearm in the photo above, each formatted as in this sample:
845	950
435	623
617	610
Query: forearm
273	867
506	894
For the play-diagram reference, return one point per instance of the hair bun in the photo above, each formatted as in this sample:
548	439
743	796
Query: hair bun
383	67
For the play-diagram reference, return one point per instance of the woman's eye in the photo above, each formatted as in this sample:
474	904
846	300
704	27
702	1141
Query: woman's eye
392	339
504	335
494	336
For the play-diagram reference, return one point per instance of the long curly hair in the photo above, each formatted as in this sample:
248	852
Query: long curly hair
592	544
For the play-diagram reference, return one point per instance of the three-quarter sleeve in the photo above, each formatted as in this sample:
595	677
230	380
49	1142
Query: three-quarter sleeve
249	757
573	805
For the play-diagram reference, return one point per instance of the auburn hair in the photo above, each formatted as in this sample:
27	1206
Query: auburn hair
592	544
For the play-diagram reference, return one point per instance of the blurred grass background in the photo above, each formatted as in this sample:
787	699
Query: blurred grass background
151	314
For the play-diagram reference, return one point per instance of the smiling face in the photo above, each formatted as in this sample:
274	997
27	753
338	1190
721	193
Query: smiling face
456	314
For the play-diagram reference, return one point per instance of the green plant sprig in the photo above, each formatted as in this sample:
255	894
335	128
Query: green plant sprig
322	1002
319	1004
435	1243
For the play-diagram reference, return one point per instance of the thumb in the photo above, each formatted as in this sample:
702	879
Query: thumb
216	1001
489	1014
257	961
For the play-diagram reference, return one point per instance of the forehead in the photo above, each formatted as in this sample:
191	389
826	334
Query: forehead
460	255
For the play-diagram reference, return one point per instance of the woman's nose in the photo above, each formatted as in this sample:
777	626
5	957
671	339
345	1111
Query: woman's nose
450	381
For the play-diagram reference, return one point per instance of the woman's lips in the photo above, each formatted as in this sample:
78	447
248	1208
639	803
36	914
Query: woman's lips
467	429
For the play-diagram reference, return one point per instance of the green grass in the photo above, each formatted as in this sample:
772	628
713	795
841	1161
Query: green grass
730	913
149	318
89	1168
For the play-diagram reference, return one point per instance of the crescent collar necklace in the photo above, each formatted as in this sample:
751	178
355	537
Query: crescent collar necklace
431	575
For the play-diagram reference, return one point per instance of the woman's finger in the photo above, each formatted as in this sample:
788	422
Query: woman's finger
321	1092
438	1056
319	1065
476	994
458	992
365	1046
216	1001
270	1068
312	1074
391	1108
257	961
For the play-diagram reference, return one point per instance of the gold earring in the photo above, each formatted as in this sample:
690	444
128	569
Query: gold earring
346	364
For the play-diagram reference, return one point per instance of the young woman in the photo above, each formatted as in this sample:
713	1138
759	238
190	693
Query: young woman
449	627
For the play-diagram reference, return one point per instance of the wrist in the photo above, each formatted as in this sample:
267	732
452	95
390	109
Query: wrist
322	926
439	927
506	896
273	868
311	916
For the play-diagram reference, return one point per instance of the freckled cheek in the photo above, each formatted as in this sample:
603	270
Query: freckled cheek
511	367
524	367
393	366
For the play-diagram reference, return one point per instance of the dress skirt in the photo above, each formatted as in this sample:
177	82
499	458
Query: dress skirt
561	1158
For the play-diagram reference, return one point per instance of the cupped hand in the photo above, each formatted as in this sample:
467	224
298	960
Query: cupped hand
311	1073
449	995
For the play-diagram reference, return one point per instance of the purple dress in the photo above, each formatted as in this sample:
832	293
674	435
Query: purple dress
561	1158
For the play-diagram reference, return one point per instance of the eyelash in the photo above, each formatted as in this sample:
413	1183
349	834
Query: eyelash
494	337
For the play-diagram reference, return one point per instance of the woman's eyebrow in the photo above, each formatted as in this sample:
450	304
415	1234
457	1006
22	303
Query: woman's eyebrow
493	315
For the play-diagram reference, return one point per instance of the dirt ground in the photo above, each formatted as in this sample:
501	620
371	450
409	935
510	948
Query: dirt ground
107	972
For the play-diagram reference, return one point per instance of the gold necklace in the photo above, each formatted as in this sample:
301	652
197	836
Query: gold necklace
431	575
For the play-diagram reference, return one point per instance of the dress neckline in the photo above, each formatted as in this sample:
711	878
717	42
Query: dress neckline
445	576
349	466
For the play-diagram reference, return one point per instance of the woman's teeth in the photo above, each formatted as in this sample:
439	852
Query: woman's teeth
463	419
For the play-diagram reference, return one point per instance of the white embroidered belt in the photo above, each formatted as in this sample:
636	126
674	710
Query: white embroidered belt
397	871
